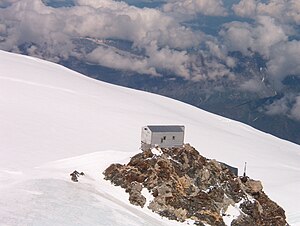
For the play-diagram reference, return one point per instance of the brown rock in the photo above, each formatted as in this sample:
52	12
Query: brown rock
253	186
185	185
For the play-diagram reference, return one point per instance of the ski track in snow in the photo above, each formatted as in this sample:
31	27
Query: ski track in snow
36	84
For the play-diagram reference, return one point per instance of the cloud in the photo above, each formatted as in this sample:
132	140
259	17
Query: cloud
177	62
50	32
279	107
114	59
158	60
206	67
6	3
220	52
99	19
248	38
267	37
295	111
281	10
288	105
253	85
245	8
109	19
272	35
31	22
30	26
187	9
284	61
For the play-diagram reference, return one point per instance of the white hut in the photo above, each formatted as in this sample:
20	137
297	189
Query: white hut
163	136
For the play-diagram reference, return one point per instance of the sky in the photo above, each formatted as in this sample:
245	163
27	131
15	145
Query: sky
164	38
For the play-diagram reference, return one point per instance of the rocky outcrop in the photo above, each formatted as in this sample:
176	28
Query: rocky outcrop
75	175
185	185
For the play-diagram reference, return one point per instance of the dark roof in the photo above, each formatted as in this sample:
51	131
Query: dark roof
166	128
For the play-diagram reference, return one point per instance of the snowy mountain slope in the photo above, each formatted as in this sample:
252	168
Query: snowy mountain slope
53	121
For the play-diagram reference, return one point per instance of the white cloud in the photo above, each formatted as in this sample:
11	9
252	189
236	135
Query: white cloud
174	61
253	85
284	61
288	105
106	19
282	10
2	29
110	58
177	62
271	35
295	111
259	37
99	19
32	22
186	9
278	107
6	3
49	33
206	67
286	11
220	52
245	8
238	36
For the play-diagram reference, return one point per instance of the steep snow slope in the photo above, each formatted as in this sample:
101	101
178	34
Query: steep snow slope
53	121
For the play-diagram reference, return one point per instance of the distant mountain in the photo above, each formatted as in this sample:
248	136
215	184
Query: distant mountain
54	121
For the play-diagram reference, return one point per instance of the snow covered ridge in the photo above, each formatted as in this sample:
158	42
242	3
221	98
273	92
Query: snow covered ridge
54	121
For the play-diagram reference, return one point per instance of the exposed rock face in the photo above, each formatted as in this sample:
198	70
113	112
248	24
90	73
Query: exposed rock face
185	185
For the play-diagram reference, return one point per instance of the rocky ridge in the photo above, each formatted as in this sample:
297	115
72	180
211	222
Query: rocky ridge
186	186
